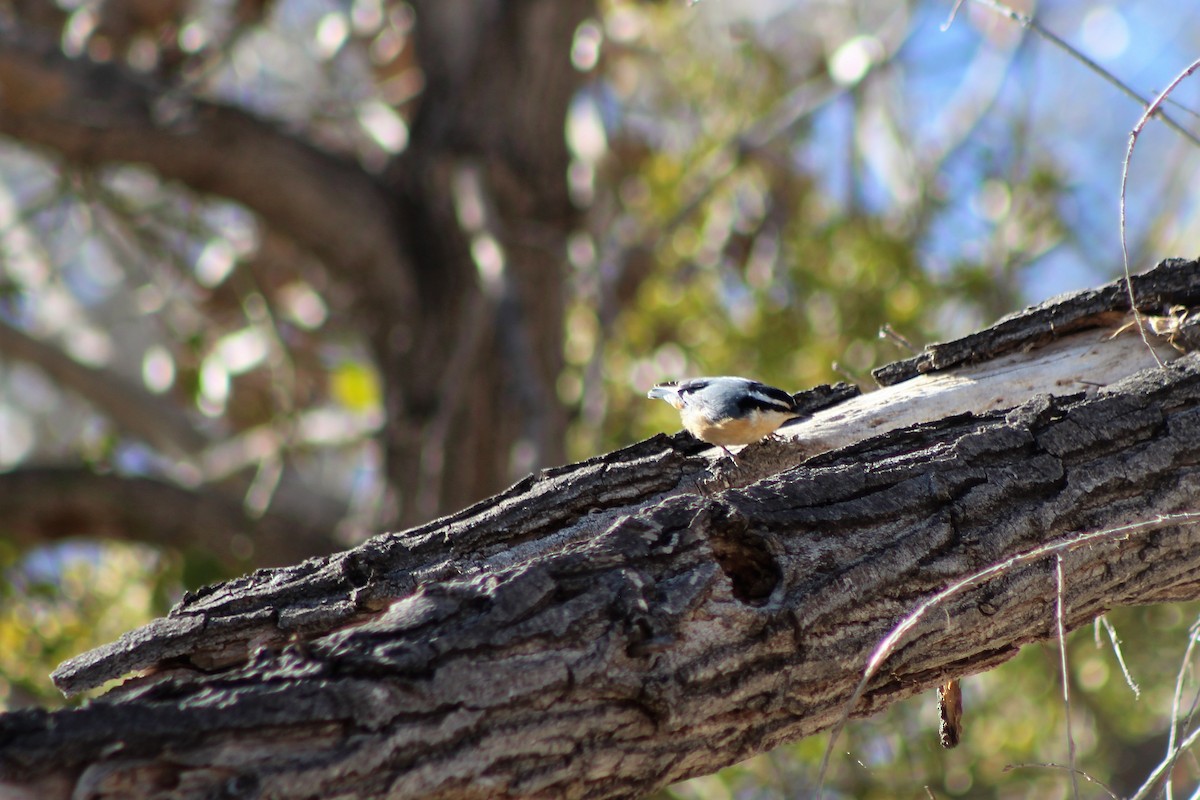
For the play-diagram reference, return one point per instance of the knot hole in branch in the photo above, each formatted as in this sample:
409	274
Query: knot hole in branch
744	556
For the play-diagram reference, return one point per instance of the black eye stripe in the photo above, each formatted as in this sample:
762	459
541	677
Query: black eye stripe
756	396
751	403
777	395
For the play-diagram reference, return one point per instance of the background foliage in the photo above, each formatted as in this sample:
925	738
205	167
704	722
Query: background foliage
757	188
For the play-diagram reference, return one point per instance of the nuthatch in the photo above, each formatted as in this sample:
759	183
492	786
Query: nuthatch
727	410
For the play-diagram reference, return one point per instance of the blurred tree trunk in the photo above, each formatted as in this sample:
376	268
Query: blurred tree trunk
603	629
472	379
454	256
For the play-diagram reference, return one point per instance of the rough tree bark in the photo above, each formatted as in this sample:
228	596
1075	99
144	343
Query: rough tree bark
608	627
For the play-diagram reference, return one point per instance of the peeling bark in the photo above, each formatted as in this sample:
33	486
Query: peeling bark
605	628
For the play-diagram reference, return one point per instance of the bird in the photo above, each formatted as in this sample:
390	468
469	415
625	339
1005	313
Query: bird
727	410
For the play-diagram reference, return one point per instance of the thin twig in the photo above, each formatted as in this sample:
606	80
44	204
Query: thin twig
1163	767
953	13
1178	696
1074	771
1060	613
1026	21
890	643
1116	645
1133	135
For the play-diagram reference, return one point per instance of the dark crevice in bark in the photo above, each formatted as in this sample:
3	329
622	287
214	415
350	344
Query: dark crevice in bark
609	652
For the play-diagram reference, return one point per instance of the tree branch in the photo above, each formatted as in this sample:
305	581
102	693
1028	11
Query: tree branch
155	420
606	628
93	114
44	504
41	504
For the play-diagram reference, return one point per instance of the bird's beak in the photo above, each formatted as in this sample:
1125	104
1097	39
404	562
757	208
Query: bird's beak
659	393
